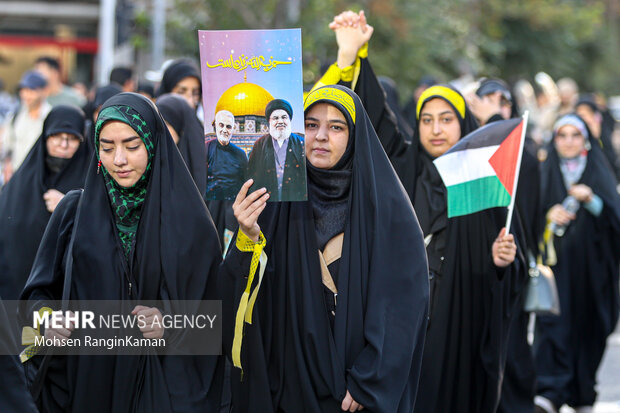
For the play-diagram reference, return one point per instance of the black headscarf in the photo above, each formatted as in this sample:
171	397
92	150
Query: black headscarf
292	359
104	93
23	215
329	189
175	110
175	256
177	71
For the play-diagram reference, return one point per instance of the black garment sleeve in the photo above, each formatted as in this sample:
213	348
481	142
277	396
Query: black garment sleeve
46	279
383	120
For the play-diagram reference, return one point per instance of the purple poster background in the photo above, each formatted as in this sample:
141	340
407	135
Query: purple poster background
241	47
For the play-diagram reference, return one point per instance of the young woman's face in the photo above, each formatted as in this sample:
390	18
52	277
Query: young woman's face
122	153
62	145
189	88
569	142
439	127
327	135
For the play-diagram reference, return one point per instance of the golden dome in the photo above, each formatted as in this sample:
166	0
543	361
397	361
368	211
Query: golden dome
244	99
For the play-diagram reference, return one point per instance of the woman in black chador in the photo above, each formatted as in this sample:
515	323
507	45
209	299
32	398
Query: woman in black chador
475	278
569	348
142	233
340	314
55	165
188	134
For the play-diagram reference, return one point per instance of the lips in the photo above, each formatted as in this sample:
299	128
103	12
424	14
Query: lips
320	151
437	142
123	174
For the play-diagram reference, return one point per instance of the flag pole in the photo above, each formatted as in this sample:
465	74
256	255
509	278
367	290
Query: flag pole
511	207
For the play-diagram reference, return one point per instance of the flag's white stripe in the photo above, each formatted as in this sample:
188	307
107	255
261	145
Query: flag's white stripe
463	166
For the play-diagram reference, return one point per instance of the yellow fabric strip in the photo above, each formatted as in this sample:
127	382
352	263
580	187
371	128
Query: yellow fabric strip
548	246
246	305
333	94
442	92
29	335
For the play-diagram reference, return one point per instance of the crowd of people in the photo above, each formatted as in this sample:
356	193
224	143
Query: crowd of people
367	296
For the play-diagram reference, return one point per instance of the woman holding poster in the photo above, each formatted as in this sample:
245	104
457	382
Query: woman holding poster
339	311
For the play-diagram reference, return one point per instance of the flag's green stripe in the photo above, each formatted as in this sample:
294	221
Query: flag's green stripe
473	196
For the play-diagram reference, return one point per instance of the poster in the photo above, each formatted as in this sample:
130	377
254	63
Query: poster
253	106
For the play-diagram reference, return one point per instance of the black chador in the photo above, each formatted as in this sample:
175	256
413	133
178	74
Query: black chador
472	300
23	214
299	356
152	241
586	274
175	110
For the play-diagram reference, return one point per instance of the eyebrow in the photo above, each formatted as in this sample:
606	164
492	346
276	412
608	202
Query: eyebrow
104	140
330	120
445	112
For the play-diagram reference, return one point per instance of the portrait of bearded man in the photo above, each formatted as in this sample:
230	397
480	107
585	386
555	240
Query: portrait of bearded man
226	162
277	160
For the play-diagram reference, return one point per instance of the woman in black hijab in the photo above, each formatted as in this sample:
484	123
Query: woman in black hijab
332	328
55	165
142	233
586	271
182	78
188	134
474	278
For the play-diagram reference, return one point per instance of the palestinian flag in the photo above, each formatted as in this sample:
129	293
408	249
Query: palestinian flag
481	170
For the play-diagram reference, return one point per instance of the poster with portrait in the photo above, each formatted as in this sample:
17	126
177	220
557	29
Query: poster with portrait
253	110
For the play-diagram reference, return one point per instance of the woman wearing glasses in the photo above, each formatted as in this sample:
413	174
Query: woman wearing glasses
55	165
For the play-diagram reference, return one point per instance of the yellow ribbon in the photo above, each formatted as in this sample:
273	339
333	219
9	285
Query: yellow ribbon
30	336
548	246
246	305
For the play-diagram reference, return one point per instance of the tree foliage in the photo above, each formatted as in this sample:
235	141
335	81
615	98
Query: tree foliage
445	38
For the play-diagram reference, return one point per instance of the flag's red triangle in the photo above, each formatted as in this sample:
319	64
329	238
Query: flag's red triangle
504	160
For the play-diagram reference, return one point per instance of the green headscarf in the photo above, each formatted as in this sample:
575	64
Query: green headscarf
126	202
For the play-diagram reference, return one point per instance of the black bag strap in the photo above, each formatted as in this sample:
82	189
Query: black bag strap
37	383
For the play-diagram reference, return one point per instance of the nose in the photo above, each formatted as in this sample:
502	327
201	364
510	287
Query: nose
436	127
322	134
64	142
120	158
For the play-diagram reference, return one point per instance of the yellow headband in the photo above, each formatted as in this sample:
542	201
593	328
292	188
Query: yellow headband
333	94
442	92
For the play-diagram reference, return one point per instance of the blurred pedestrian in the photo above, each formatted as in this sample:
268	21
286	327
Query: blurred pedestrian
57	92
27	124
579	197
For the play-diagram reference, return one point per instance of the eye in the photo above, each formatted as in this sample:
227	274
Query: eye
106	150
337	128
447	119
133	148
426	121
310	125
